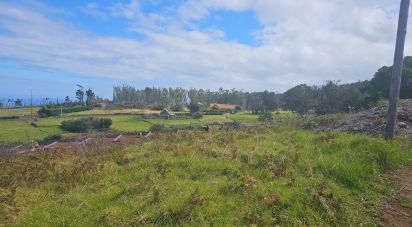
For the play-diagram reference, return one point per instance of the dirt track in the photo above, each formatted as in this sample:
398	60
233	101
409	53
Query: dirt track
397	210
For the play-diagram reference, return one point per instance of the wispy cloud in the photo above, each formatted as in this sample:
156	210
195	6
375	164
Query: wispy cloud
301	41
93	9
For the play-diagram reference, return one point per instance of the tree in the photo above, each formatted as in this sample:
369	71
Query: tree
18	103
255	103
80	96
10	102
67	99
194	107
1	103
267	116
300	98
378	87
270	101
89	96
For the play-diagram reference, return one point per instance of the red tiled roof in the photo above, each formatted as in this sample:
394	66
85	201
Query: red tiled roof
225	106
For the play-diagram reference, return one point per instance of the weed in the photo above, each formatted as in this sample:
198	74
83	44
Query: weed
251	176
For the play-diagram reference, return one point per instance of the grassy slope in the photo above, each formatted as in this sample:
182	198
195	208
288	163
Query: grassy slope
112	112
20	129
17	112
252	176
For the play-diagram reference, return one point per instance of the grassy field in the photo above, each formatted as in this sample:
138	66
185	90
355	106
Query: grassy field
112	112
17	112
20	130
255	176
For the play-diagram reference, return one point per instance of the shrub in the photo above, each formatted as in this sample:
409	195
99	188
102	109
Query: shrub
47	111
267	116
197	115
9	117
102	123
216	112
156	107
178	108
50	139
84	124
157	128
215	107
194	107
34	124
309	125
78	125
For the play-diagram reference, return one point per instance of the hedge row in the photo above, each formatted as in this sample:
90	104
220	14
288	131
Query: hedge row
84	124
47	112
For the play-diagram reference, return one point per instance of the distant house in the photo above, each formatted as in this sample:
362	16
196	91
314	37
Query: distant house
102	105
224	106
165	113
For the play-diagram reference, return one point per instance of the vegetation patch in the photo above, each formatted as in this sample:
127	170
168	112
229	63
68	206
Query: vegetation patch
84	124
56	110
253	176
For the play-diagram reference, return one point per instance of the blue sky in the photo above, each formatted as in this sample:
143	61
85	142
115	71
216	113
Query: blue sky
50	46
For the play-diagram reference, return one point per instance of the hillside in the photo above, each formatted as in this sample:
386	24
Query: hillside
261	176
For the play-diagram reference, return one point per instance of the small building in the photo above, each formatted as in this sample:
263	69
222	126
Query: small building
102	105
224	106
165	113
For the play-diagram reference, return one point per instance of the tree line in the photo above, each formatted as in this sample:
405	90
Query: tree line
177	98
331	97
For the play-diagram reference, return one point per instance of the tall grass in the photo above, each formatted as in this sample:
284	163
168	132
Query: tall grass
252	176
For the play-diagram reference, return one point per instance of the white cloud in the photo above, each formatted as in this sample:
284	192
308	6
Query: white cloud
301	42
93	9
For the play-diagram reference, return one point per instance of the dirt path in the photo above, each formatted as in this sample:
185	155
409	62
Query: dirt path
397	210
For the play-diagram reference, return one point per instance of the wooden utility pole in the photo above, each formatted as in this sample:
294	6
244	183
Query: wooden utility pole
31	104
397	70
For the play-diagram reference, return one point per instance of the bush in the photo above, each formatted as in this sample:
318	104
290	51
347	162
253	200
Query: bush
194	107
50	139
157	128
78	125
34	124
102	123
267	116
197	115
9	117
309	125
156	107
47	111
84	124
178	108
216	112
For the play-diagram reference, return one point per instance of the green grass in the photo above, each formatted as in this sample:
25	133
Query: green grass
254	176
98	111
17	112
19	130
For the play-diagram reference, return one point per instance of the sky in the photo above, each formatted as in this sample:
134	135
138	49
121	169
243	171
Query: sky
50	46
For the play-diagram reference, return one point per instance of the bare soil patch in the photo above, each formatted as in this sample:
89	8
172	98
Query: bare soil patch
397	210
